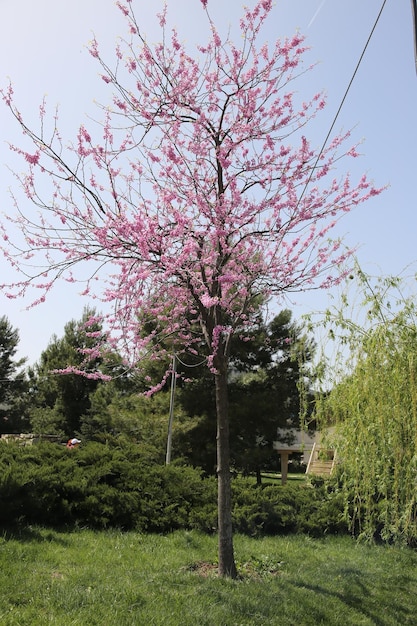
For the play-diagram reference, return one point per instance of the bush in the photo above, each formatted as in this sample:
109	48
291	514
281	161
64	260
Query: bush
271	510
109	485
98	486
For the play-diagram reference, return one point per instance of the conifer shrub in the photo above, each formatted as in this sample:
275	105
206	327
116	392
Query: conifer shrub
292	508
102	486
98	486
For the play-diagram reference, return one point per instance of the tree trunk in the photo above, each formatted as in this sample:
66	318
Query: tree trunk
227	565
258	476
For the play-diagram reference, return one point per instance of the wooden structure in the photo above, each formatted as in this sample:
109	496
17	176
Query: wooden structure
321	461
319	458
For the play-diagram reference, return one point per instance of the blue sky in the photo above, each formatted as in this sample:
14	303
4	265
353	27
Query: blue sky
43	51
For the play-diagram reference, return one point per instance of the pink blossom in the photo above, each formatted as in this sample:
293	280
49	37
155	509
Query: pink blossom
93	49
84	134
33	159
353	152
162	17
85	374
123	8
208	301
7	95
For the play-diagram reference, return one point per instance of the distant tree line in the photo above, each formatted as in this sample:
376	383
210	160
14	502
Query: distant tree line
264	395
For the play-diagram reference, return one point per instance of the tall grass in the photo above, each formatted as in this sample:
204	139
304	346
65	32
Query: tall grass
112	578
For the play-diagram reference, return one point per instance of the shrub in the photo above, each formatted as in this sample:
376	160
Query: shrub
270	510
101	486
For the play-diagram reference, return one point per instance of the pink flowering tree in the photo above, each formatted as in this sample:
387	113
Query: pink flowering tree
197	198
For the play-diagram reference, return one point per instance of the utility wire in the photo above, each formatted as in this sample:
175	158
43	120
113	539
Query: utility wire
189	364
345	95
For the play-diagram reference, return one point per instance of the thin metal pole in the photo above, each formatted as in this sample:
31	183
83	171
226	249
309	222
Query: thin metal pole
171	409
414	10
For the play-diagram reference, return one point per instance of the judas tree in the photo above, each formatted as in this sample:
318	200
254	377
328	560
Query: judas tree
197	197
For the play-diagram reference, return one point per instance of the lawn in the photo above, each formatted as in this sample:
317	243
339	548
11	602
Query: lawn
275	478
128	579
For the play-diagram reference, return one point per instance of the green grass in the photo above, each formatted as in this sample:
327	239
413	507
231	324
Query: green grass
127	579
275	478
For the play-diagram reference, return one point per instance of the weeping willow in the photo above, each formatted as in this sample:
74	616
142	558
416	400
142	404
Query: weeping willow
373	412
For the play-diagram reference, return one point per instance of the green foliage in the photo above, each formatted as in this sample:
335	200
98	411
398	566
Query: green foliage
12	381
113	485
374	409
272	510
263	396
59	402
98	486
143	420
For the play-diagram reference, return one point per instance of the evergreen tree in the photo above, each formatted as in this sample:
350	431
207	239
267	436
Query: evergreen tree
60	401
264	396
12	381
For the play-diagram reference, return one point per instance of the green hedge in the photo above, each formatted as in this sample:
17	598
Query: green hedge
101	486
294	508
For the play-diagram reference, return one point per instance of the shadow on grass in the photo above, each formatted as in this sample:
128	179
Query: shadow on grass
358	601
32	534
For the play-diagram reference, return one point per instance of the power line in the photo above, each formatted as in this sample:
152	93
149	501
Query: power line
191	364
345	96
